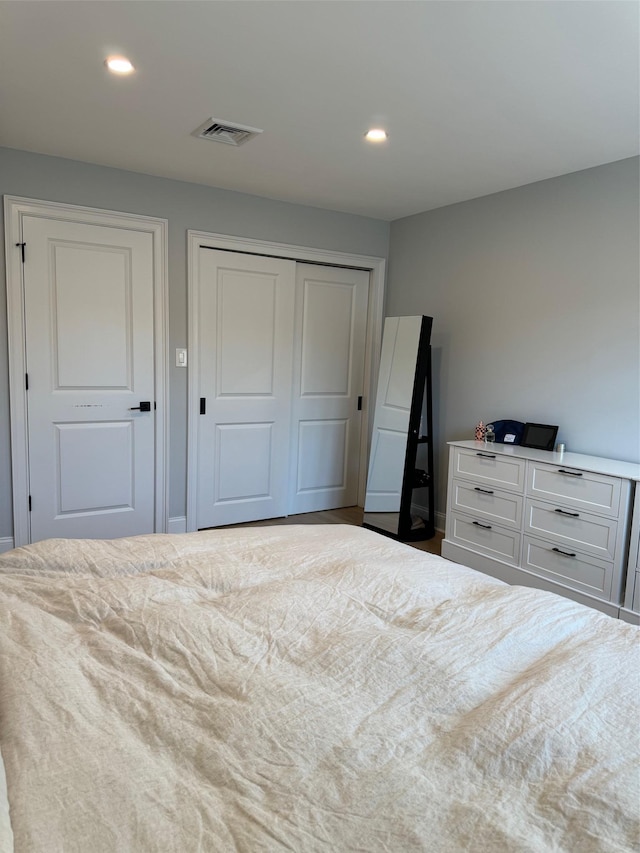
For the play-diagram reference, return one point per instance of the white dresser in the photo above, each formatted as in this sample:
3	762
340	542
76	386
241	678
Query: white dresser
559	522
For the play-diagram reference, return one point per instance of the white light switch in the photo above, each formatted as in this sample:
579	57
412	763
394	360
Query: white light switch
181	358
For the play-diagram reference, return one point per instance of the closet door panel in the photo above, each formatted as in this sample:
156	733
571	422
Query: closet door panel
246	350
331	314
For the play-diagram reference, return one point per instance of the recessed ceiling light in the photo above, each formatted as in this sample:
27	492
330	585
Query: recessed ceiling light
376	134
119	65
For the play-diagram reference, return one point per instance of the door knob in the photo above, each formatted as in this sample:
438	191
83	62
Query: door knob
145	406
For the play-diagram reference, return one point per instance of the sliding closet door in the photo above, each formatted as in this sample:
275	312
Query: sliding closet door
331	319
246	316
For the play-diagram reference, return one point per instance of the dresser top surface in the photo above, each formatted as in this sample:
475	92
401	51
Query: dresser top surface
596	464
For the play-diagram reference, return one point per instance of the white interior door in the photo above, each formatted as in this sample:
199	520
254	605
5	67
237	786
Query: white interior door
331	325
245	317
88	301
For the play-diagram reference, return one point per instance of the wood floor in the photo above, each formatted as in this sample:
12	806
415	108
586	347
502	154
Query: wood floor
347	515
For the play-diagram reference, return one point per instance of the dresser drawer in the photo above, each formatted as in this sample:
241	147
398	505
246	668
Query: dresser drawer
572	528
482	466
581	489
497	542
504	508
570	568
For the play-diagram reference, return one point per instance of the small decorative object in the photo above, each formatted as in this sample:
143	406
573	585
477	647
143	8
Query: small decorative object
489	433
507	432
480	431
560	447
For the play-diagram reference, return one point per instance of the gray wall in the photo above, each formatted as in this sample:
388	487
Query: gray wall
534	291
185	206
535	299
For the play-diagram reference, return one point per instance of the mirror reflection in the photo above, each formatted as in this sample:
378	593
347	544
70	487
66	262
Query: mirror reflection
402	424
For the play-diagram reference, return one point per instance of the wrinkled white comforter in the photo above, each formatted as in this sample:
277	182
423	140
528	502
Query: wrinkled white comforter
306	688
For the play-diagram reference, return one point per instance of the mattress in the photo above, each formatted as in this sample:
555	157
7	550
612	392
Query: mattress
306	688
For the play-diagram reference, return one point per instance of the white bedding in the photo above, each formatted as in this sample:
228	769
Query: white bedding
306	688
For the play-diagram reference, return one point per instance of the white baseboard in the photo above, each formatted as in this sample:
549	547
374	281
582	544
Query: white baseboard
629	616
6	543
177	524
441	521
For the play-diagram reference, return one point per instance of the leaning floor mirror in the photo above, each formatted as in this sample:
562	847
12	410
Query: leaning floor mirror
400	488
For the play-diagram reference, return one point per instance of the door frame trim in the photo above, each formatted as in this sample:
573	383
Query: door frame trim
375	312
15	209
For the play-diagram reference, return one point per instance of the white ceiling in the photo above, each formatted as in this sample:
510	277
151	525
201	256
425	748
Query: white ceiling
477	96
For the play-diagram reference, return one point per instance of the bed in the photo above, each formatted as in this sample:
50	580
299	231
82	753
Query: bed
305	688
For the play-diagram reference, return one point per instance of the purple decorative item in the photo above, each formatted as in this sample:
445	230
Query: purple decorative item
480	431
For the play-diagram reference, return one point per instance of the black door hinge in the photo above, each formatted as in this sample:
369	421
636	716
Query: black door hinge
29	503
22	245
360	404
203	405
26	381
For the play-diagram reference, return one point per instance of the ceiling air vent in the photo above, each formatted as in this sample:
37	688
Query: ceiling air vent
218	130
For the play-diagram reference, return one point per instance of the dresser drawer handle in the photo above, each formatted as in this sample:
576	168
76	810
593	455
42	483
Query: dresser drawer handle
572	473
484	526
484	491
487	455
572	514
564	553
